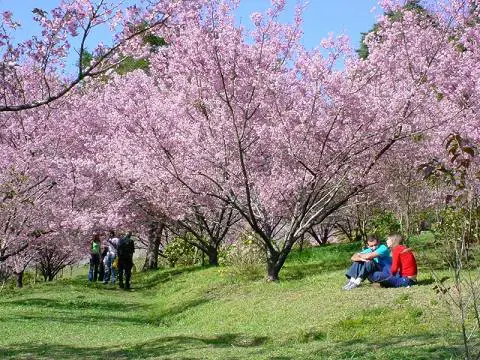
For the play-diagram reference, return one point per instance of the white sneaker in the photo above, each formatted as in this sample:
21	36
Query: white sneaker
352	285
347	285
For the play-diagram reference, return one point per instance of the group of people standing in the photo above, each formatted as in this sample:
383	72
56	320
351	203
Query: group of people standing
114	258
390	265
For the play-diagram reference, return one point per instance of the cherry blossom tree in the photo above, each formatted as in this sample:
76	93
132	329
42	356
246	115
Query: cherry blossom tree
286	139
44	170
258	123
41	62
227	121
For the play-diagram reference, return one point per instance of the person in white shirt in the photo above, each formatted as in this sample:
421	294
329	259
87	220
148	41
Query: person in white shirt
112	243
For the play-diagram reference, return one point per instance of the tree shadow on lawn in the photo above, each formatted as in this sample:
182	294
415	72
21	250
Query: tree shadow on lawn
151	278
141	279
81	302
157	347
397	347
428	281
71	315
298	271
401	347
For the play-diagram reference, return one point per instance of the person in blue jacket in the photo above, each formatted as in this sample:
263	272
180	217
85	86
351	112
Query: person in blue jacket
373	262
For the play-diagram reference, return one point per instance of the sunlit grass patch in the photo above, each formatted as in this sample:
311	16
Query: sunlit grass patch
200	313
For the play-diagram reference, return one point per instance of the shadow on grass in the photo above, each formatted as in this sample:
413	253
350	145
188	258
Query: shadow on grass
151	278
128	314
176	347
428	281
142	280
81	302
159	347
415	346
298	271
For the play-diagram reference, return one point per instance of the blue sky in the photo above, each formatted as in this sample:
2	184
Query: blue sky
321	17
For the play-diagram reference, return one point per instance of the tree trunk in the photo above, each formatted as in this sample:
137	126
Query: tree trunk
325	234
302	240
273	268
213	256
275	259
19	279
272	271
154	236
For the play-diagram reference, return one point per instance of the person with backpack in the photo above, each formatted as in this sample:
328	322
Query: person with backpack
125	251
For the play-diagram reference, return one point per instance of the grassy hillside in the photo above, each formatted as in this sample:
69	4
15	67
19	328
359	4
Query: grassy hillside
195	313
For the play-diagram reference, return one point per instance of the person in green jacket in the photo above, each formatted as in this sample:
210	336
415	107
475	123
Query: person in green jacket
94	258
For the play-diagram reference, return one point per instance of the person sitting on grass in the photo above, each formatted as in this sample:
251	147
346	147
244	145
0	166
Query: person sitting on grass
404	265
373	262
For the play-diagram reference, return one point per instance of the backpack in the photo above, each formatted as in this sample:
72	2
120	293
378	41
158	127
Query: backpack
125	247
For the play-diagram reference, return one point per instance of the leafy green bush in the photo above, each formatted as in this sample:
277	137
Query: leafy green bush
382	224
245	256
424	219
451	232
180	252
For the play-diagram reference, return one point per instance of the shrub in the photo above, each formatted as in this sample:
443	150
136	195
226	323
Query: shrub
5	275
179	252
245	256
383	224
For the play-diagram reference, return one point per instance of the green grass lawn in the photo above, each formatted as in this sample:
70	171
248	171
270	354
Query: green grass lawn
195	313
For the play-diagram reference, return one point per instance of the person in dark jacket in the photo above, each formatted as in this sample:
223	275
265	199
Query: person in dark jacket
125	251
101	268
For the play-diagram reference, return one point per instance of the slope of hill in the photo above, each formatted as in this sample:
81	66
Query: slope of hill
195	313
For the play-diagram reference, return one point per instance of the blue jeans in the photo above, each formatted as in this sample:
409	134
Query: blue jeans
93	269
109	270
398	281
361	269
381	274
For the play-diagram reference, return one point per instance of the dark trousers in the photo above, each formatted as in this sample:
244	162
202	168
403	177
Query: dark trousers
397	281
101	270
93	270
125	267
361	269
381	274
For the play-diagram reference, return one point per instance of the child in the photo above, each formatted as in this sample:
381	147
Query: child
404	265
